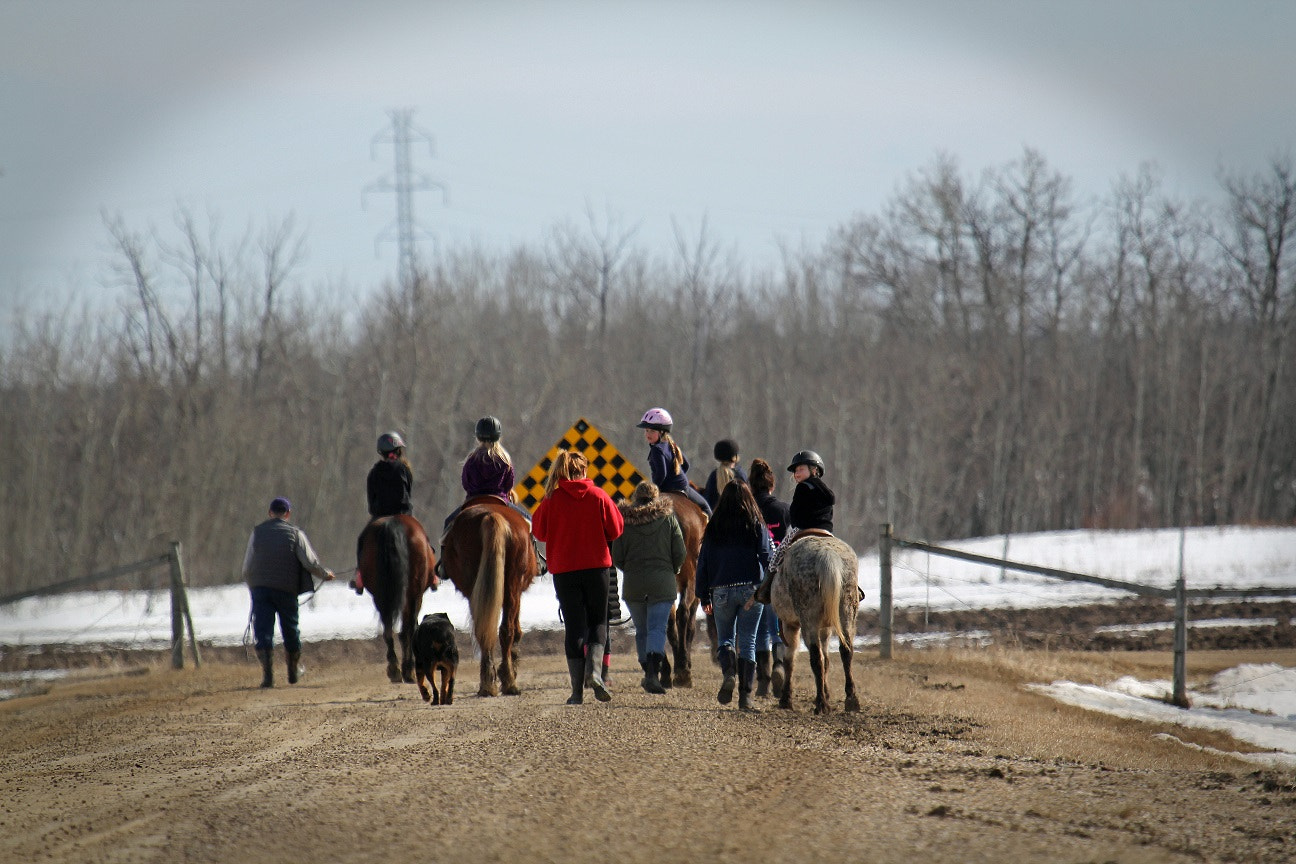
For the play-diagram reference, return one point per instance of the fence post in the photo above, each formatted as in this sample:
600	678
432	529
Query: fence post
884	592
1180	695
180	617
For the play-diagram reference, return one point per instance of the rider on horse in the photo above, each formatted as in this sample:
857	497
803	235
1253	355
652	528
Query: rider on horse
488	470
389	486
666	462
811	508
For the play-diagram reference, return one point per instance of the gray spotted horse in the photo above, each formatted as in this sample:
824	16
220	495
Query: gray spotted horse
815	594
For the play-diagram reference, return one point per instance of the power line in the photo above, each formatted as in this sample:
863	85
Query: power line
404	182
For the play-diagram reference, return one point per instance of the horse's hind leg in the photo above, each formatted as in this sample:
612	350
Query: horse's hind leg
393	670
847	657
791	633
508	658
819	665
683	643
486	681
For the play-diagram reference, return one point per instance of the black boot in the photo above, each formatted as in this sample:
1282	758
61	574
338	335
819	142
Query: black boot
746	672
777	671
594	658
728	668
576	671
652	670
266	656
762	673
663	671
294	666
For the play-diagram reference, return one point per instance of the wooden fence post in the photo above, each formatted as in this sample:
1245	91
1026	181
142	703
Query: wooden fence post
884	592
180	617
1180	695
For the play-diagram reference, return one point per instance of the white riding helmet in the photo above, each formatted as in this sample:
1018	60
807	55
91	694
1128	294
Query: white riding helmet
656	418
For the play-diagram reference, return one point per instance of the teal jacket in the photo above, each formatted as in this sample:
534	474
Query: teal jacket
649	552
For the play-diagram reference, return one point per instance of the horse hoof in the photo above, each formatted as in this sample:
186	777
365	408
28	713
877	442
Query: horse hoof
785	704
513	690
852	704
487	691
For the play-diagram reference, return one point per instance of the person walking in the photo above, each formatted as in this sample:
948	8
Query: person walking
649	552
770	650
735	550
576	521
388	490
277	554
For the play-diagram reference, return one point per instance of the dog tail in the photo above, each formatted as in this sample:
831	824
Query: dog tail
487	602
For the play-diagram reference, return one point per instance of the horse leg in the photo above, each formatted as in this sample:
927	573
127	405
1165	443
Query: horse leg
819	665
408	620
847	657
664	673
791	633
486	680
683	643
393	670
508	657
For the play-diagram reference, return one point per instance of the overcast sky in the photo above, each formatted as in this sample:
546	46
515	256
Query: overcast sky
776	122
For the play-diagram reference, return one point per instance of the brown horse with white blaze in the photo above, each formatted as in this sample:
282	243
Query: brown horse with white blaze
489	557
815	594
398	564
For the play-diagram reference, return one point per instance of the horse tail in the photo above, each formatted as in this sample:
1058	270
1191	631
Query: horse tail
487	602
393	570
829	567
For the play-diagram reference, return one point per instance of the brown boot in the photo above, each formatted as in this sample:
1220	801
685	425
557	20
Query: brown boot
746	672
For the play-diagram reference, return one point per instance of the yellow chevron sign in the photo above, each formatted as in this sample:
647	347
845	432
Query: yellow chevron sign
608	468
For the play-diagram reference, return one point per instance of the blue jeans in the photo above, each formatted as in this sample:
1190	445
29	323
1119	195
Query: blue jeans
650	620
735	625
266	604
767	632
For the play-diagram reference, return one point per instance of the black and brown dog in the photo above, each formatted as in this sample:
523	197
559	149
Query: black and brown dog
434	648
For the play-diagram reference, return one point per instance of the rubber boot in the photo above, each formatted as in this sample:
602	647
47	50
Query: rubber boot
762	673
777	672
594	653
266	657
576	671
652	673
727	667
615	618
746	672
294	666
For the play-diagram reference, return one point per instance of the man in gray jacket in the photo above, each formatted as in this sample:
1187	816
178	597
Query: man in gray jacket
278	557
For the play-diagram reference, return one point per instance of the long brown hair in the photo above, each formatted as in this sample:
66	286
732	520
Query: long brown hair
567	465
761	476
737	519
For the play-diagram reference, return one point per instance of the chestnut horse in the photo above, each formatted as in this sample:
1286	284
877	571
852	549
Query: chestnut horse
683	624
397	562
816	592
489	557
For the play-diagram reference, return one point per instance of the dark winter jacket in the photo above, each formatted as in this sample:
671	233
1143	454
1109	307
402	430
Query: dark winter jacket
277	552
482	475
576	523
650	551
661	464
723	564
712	494
812	505
775	513
390	484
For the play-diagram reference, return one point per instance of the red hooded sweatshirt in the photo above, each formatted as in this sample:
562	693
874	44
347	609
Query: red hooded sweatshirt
576	523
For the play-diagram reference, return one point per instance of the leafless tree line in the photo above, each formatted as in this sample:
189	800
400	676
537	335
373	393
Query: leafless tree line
984	355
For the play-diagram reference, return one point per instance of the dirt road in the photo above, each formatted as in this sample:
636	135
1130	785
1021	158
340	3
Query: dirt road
950	760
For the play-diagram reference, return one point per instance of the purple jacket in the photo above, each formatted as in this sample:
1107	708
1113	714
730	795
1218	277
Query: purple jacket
485	476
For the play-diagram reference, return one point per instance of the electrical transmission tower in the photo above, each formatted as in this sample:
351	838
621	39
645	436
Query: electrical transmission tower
404	183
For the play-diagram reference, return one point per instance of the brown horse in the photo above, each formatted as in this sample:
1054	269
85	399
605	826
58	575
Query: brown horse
489	557
815	593
397	562
683	625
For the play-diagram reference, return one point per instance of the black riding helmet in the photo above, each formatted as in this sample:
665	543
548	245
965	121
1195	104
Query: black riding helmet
489	429
807	457
390	442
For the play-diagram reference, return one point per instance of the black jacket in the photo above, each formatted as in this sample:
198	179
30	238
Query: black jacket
389	485
812	505
775	513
